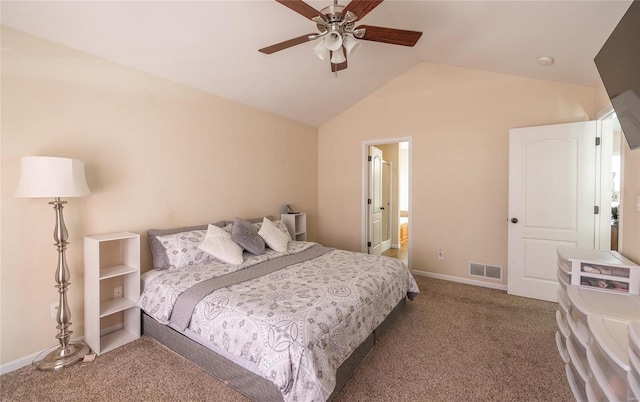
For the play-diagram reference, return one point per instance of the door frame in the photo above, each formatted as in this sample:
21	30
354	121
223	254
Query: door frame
604	160
365	190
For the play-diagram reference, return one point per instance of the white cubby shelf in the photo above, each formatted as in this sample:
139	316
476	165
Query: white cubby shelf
112	256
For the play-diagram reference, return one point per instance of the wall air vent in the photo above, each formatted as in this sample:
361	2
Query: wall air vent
485	271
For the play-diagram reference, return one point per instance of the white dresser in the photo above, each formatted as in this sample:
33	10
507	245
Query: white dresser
598	312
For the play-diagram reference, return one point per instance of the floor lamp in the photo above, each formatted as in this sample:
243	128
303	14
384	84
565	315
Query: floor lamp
49	177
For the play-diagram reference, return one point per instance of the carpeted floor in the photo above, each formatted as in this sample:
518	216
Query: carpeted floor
453	343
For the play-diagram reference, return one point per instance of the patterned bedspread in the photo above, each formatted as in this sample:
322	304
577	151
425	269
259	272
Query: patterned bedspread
298	324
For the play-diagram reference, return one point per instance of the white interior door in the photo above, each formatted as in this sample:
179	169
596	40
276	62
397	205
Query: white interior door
551	202
375	201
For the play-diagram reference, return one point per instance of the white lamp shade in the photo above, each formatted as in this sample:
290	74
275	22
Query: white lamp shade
333	41
321	51
50	177
350	44
338	57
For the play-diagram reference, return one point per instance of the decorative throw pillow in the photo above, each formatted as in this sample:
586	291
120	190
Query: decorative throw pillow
279	223
158	250
273	236
246	235
218	243
182	249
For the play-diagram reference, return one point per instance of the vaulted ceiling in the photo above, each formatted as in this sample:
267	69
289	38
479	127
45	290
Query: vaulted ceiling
213	45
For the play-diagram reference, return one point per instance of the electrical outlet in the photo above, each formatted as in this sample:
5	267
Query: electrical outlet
440	254
54	311
117	292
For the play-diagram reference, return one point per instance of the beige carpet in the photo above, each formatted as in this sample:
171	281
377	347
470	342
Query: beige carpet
453	343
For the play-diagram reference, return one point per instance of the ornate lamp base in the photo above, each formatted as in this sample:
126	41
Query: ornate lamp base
68	352
64	356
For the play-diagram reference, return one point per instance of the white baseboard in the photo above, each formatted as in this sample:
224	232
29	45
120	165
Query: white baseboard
18	363
27	360
460	280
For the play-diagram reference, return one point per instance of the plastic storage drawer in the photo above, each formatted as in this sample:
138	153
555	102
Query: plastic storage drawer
564	279
634	339
564	263
577	383
606	270
634	376
634	388
584	301
563	298
596	392
562	322
605	388
561	344
579	329
578	357
610	345
563	309
634	363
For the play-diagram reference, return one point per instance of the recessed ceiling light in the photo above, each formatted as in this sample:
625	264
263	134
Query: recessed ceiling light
545	60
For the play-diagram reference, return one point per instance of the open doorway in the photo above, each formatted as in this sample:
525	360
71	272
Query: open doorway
608	235
386	198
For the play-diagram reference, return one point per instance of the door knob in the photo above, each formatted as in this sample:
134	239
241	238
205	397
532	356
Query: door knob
514	220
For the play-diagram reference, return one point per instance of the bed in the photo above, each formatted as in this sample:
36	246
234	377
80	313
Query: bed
289	324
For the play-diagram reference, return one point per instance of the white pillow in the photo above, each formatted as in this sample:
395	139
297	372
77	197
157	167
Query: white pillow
273	236
279	223
218	243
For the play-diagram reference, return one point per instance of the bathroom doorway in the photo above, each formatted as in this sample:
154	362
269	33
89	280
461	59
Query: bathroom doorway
386	198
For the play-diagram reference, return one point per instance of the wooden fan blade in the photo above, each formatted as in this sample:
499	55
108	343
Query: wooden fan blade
390	35
286	44
301	8
361	7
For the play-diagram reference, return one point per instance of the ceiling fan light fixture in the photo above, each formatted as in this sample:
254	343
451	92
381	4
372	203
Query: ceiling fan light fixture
321	51
359	33
348	17
338	57
337	31
350	44
333	41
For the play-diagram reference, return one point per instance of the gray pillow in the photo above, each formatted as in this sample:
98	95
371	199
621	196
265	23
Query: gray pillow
245	234
158	252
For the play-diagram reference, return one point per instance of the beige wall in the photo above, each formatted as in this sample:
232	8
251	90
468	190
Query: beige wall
601	100
459	121
157	155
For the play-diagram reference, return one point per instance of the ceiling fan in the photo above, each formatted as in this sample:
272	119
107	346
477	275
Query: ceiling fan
336	26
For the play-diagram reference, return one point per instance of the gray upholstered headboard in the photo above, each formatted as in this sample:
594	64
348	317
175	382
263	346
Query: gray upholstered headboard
158	255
